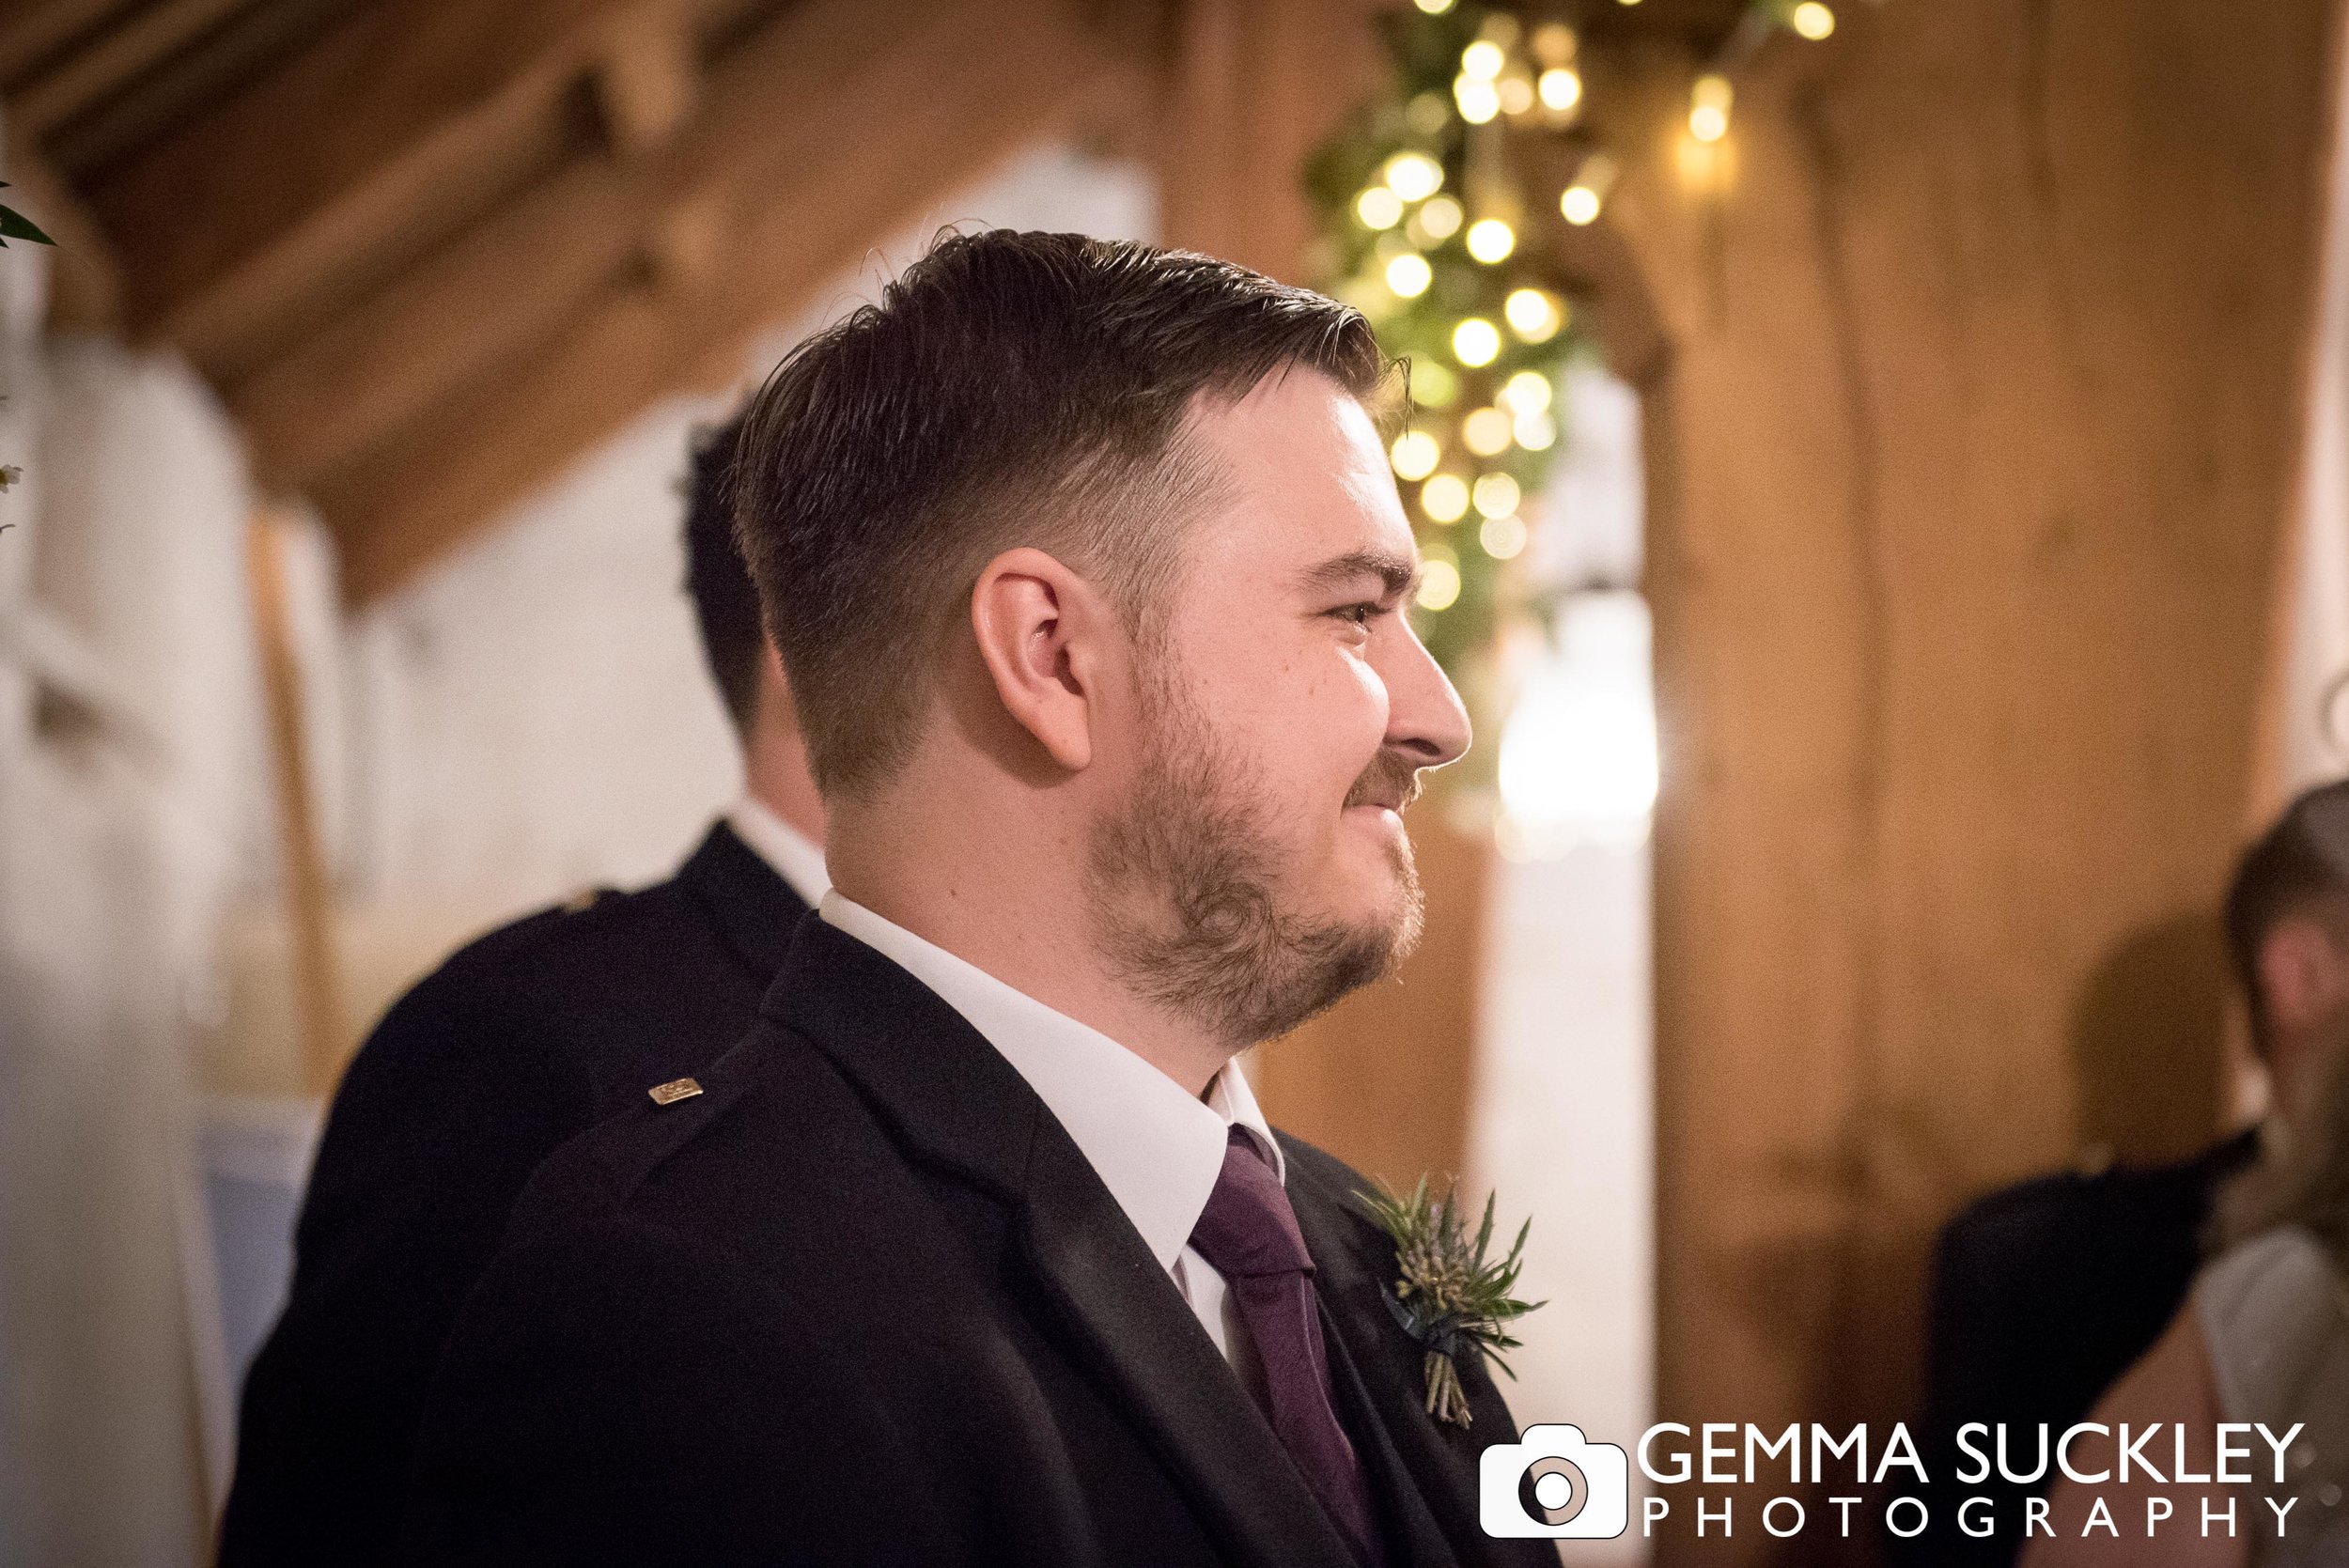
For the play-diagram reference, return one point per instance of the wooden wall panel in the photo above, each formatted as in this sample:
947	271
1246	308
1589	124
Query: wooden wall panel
1970	448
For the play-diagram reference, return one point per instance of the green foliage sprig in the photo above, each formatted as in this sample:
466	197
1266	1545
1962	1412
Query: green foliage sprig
16	226
1449	1297
1415	199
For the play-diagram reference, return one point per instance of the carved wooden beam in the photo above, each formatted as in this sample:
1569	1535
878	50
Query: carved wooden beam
341	166
112	57
839	123
34	30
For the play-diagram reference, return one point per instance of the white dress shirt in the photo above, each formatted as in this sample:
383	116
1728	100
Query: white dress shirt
788	852
1157	1149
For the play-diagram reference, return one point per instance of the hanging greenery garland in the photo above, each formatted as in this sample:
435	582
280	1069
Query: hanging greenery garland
1425	214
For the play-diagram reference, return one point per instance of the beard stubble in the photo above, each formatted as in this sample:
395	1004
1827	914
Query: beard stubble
1189	895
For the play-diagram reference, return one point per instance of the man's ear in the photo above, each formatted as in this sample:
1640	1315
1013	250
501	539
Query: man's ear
1040	630
2303	976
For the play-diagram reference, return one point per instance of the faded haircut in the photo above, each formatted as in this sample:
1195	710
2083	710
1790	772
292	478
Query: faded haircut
1009	389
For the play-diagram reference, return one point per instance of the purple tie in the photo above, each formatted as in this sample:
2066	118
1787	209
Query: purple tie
1248	1233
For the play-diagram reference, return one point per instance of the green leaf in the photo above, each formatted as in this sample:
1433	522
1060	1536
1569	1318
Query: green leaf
16	226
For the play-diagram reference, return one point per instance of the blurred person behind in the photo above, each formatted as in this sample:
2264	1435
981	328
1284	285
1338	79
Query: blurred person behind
522	1039
2045	1292
2263	1340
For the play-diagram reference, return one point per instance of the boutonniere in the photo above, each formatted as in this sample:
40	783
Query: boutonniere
1447	1297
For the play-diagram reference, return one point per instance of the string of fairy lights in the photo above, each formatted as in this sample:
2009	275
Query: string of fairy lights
1423	208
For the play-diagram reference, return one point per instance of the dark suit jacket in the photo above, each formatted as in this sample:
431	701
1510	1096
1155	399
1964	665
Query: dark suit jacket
2043	1296
863	1301
520	1042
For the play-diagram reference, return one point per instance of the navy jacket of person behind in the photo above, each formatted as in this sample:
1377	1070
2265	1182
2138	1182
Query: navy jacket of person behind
2043	1296
520	1042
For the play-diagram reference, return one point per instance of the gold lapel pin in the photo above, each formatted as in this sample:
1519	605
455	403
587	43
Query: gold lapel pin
675	1090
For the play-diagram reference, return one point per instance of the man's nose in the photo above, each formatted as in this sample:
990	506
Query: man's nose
1426	720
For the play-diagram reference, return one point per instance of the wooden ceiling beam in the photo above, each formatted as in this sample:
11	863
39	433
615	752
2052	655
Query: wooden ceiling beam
773	194
33	30
641	59
518	277
452	174
114	57
332	171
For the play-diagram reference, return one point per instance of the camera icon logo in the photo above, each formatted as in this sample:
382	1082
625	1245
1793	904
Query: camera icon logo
1556	1483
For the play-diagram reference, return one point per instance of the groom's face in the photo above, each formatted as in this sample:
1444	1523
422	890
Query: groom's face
1285	712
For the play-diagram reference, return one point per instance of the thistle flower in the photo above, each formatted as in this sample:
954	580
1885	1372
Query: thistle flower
1448	1296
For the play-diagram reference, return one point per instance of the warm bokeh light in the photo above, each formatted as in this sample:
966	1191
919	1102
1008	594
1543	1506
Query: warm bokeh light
1578	756
1415	454
1444	498
1579	204
1497	495
1560	89
1476	341
1554	44
1409	274
1527	392
1413	176
1433	384
1535	432
1486	432
1439	218
1435	7
1478	100
1517	94
1533	315
1490	240
1438	583
1427	114
1709	108
1503	537
1482	59
1379	207
1812	20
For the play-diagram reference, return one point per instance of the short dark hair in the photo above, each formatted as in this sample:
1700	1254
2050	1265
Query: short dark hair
1008	389
2299	863
726	605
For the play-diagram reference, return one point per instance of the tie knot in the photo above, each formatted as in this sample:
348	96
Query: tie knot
1248	1227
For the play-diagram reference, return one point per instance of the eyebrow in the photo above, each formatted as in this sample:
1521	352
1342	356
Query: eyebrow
1397	572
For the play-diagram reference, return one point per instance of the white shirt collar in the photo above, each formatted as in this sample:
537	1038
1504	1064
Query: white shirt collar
788	852
1157	1149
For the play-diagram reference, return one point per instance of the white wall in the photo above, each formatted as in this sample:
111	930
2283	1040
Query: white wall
1562	1120
133	808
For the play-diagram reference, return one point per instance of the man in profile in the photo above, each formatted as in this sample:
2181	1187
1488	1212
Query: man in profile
1091	578
525	1038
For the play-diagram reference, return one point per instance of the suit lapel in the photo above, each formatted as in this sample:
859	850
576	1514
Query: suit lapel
1141	1337
954	1102
1352	1262
756	910
1414	1539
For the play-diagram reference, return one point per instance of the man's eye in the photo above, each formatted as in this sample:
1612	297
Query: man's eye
1360	614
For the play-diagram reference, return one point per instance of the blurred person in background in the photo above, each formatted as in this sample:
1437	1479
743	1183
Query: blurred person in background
2263	1340
522	1039
2044	1293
